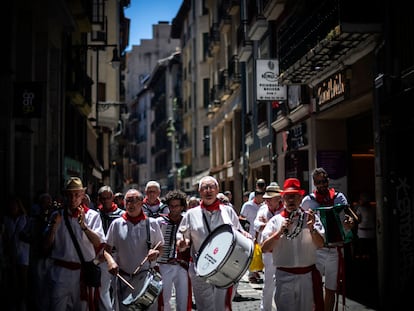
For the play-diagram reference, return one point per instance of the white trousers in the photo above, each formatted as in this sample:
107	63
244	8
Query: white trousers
269	282
177	277
207	296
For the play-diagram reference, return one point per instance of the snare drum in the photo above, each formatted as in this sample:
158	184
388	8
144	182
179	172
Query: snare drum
147	286
224	256
331	220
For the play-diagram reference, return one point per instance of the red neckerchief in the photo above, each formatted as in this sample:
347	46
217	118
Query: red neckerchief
285	213
157	202
75	213
276	210
257	203
134	220
323	199
279	207
213	207
112	209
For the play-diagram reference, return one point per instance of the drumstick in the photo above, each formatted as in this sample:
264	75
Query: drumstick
125	281
145	259
353	213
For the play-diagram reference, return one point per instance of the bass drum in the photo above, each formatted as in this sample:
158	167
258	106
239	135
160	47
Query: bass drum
147	287
224	256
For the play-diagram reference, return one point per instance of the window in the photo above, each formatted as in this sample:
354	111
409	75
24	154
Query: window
206	93
206	140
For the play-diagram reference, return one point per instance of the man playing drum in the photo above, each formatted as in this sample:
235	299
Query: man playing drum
330	260
138	241
293	236
196	226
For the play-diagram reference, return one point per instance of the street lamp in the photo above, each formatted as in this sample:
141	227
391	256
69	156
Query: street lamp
115	62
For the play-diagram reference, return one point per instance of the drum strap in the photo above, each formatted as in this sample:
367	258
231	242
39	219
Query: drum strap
206	223
148	234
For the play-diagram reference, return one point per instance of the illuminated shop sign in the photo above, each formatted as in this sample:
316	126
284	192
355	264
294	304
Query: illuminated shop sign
332	90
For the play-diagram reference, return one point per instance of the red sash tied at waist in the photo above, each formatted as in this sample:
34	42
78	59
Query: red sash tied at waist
67	264
298	270
316	282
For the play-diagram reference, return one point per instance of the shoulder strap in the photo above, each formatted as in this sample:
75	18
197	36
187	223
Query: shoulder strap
72	235
148	234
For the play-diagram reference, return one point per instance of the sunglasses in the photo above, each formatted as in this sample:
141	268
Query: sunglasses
320	182
133	200
206	187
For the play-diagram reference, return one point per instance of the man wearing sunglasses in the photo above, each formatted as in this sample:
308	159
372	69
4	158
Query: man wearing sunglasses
330	258
138	241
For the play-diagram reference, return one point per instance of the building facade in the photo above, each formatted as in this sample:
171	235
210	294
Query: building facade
61	93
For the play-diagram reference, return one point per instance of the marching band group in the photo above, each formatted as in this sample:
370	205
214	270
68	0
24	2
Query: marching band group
150	249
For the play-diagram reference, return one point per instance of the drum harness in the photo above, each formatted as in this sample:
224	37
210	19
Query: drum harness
148	246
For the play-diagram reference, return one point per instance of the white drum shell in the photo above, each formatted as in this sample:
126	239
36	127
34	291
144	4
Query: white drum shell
147	287
224	270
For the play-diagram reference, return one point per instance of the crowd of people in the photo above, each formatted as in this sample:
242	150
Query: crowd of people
148	246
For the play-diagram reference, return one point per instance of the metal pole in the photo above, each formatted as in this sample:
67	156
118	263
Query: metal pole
96	89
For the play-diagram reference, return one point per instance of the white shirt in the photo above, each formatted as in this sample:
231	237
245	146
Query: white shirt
130	241
63	247
193	226
299	251
249	211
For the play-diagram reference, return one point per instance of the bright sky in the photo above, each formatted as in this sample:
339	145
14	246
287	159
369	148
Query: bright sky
145	13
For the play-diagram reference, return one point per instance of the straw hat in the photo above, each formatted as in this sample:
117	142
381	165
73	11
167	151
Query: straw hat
73	184
272	191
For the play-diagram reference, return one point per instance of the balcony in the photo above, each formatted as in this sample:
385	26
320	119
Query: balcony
232	7
214	39
224	23
272	9
321	38
244	44
224	90
234	73
258	27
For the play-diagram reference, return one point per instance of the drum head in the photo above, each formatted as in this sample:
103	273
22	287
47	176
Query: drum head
215	250
140	283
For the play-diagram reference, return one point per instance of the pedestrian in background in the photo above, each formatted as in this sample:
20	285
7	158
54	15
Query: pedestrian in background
273	205
366	232
193	202
196	225
153	207
39	261
293	236
260	185
248	213
119	200
17	251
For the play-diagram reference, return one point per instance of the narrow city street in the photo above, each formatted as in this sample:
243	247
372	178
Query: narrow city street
250	300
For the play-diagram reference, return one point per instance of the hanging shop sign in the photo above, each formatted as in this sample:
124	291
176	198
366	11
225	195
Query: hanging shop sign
267	80
28	99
